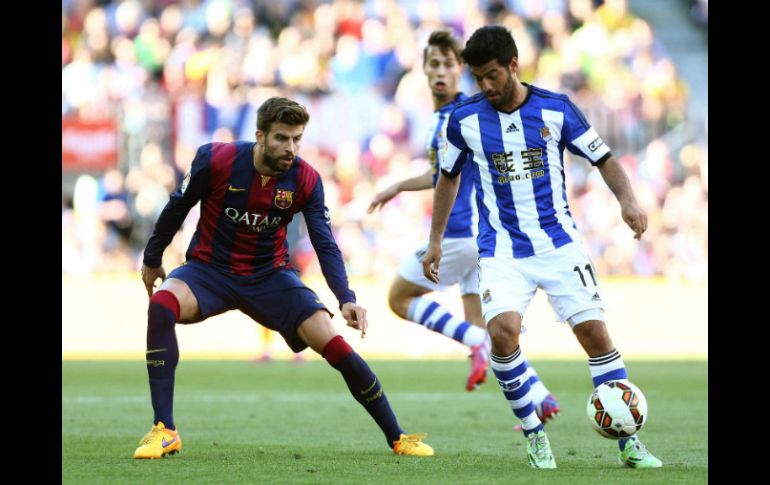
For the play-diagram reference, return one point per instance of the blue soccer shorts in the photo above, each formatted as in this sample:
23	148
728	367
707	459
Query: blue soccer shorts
280	301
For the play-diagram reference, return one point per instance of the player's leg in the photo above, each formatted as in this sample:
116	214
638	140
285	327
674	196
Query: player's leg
606	364
406	300
401	294
406	293
318	333
169	304
574	293
546	405
510	368
283	303
174	302
506	293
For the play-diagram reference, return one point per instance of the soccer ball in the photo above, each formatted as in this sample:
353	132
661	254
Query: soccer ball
617	409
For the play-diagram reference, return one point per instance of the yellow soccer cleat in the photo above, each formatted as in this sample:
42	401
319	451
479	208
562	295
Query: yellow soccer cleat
159	442
411	444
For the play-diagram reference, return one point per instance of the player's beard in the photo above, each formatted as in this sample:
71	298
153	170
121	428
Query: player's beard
506	95
274	163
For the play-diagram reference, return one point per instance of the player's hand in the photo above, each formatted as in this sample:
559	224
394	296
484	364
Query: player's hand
149	275
635	218
382	198
430	262
355	316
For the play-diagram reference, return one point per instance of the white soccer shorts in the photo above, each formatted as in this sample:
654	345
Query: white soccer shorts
459	264
566	274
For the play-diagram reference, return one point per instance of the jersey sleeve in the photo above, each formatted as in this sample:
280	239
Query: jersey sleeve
454	154
192	189
329	256
580	138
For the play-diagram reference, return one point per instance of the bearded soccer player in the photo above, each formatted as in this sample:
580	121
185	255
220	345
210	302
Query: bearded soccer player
514	135
443	68
238	259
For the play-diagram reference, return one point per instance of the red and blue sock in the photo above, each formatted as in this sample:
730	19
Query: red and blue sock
363	385
162	354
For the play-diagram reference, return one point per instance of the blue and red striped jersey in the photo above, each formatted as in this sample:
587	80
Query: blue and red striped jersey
242	227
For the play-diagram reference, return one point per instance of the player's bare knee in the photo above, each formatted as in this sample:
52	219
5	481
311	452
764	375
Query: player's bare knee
398	301
591	330
401	294
594	337
317	330
189	311
504	333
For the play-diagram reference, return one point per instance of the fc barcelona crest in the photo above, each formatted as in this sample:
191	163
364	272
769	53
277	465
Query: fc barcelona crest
283	198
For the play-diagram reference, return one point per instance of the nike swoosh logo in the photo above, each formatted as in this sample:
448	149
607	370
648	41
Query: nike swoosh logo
233	189
155	350
167	443
370	387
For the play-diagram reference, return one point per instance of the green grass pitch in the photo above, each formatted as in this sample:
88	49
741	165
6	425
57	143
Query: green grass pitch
289	423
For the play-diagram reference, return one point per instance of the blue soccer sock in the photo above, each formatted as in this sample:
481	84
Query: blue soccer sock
536	387
511	373
609	367
437	318
162	354
363	385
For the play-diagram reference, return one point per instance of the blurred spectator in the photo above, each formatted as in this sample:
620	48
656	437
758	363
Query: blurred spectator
177	74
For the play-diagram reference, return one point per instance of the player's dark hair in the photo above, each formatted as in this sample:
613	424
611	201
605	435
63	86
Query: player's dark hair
282	110
490	42
445	41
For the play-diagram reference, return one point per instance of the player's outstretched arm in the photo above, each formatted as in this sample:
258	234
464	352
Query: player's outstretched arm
355	316
617	180
421	182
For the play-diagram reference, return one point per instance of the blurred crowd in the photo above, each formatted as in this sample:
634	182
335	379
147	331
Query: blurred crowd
178	74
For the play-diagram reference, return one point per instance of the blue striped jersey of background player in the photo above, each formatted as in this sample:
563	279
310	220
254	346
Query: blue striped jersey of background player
463	215
242	226
519	169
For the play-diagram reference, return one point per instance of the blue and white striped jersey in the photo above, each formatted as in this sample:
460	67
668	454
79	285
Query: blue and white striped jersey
519	169
462	219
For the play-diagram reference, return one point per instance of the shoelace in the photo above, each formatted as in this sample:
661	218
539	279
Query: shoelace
639	446
155	431
538	444
411	439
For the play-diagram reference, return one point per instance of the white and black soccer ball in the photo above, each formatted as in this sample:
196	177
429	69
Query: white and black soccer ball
617	409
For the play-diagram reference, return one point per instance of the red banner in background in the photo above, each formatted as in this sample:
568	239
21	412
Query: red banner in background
89	145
